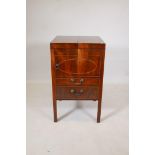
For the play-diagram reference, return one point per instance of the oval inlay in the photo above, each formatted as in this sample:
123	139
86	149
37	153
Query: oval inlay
75	66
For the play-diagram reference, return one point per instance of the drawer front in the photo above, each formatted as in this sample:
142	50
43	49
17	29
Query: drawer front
77	81
77	66
76	93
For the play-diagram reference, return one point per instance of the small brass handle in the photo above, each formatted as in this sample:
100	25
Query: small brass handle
81	90
72	91
77	93
81	81
72	80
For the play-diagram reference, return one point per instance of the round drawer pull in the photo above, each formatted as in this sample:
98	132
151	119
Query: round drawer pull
72	80
81	90
72	91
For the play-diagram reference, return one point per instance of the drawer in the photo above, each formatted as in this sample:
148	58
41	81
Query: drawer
77	66
78	93
77	81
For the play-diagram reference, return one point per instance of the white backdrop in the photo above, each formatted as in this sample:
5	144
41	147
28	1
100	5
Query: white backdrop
105	18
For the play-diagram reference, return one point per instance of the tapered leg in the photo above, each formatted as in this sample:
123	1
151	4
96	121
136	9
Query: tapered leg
99	111
55	110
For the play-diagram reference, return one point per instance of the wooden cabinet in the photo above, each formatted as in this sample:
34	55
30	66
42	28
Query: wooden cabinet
77	67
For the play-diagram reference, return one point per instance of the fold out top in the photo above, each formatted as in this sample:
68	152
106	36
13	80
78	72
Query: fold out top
77	42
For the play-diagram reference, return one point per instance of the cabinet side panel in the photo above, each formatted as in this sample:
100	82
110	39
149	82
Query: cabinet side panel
52	70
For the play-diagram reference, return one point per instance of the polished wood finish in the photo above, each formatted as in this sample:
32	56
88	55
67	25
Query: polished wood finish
75	52
77	67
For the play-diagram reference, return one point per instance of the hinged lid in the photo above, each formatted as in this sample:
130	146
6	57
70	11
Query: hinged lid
77	42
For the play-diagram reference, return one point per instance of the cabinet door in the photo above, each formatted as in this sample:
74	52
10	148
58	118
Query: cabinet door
81	64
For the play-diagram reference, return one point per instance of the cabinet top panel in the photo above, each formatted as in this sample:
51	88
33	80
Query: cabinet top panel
77	42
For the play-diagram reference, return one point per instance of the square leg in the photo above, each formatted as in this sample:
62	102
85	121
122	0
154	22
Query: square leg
55	110
99	111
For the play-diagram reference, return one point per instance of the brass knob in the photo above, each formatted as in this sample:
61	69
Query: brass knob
72	80
81	90
72	91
